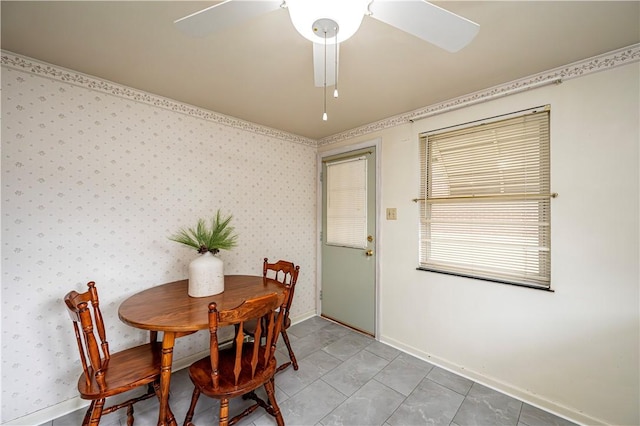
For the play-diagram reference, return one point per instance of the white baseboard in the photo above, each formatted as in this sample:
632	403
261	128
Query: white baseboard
47	414
302	317
505	388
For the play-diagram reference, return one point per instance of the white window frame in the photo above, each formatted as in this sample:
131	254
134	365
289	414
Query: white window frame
485	209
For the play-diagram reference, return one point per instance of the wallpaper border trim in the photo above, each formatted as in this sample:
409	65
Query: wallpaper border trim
54	72
623	56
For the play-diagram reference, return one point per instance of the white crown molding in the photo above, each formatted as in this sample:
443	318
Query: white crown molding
53	72
582	68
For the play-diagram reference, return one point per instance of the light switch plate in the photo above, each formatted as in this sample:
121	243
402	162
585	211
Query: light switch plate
392	213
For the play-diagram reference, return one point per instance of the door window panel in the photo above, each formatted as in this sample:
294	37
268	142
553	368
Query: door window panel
347	203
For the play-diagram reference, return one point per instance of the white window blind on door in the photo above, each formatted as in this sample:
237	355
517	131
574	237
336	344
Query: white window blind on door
485	209
347	202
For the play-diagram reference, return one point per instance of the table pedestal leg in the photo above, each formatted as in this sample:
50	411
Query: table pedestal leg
165	417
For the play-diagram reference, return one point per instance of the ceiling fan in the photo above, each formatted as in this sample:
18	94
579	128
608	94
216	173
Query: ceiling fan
327	23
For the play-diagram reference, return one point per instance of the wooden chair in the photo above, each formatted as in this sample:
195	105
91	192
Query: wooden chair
246	365
286	273
107	374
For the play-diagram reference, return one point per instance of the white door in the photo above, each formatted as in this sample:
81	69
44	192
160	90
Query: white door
348	292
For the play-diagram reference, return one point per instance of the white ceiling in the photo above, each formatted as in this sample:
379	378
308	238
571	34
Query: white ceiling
261	71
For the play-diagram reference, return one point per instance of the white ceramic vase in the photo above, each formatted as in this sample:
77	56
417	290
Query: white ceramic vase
206	275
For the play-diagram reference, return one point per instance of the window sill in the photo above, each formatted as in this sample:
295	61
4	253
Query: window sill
532	286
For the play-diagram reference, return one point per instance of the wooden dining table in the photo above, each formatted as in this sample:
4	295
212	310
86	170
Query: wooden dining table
168	308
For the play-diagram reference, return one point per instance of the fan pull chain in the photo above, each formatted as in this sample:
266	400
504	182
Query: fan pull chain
335	71
324	115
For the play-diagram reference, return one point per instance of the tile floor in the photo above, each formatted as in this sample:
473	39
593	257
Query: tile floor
346	378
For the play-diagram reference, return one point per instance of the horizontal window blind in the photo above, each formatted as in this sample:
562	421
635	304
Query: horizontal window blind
485	209
347	203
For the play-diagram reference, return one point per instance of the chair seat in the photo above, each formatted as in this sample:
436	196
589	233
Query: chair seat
126	370
200	373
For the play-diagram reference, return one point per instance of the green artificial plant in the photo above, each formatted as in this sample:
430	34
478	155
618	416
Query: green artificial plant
218	237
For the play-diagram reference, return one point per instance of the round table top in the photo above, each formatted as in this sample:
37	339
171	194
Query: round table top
168	307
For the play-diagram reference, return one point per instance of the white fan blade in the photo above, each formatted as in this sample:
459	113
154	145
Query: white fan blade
223	15
426	21
319	64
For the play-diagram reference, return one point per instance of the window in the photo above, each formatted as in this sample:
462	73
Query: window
485	200
347	202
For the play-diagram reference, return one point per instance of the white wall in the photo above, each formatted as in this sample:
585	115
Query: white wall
93	185
573	351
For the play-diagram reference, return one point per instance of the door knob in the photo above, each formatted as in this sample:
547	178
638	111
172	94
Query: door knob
369	252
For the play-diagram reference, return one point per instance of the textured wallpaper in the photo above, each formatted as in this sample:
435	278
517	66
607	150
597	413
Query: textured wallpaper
92	186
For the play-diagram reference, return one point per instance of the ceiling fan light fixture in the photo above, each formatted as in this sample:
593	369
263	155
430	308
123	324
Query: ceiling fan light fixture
305	14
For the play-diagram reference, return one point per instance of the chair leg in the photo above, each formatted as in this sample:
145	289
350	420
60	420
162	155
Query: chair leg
96	413
271	394
192	407
130	415
87	415
291	355
224	412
